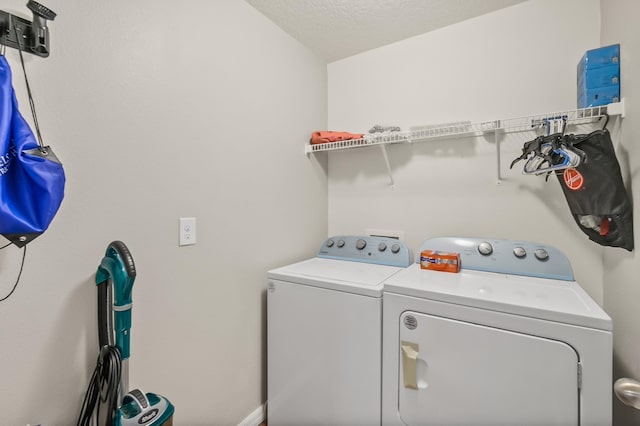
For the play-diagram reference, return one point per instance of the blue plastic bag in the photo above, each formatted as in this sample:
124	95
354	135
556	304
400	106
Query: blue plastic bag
31	177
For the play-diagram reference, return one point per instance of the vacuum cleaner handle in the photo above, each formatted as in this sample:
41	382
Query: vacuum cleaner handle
125	255
116	268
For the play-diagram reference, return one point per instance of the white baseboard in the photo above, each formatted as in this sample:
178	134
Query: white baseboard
255	418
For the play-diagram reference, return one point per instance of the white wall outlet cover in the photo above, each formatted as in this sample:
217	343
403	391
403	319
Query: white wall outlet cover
187	231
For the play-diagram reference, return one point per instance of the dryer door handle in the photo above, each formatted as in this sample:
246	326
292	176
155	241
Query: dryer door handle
410	353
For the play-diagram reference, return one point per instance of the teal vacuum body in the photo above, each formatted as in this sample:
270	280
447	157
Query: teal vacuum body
115	277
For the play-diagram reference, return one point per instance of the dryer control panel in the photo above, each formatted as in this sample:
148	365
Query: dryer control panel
378	250
505	256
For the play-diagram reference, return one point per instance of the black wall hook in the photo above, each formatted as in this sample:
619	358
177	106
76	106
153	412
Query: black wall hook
32	35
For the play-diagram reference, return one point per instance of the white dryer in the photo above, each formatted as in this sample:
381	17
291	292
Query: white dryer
324	333
510	340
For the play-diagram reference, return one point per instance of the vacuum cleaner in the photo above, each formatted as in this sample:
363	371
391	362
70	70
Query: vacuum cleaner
110	380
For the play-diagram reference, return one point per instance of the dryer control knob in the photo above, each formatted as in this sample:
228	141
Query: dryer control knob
330	243
340	243
541	254
519	252
382	246
485	248
360	244
395	248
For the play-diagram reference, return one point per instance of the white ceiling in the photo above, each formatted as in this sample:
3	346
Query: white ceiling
336	29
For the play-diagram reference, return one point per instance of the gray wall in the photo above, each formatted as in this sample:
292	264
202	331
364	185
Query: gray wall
622	269
161	110
496	66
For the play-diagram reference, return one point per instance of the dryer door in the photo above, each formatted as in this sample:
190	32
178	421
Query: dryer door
458	373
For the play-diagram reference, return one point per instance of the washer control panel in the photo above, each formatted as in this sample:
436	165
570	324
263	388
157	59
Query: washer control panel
505	256
378	250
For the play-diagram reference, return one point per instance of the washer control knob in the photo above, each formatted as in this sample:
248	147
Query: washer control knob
340	243
541	254
382	246
360	244
330	243
485	248
395	248
519	252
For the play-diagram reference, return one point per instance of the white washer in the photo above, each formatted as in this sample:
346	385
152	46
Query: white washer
511	339
324	322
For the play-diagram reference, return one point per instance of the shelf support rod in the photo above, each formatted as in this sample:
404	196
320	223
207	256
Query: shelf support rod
383	147
498	173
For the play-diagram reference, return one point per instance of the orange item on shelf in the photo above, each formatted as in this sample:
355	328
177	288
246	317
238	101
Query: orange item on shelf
440	261
328	136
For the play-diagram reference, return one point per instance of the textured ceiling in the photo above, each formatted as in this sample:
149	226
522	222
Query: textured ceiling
336	29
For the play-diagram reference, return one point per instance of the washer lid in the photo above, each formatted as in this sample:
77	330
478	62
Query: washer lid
553	300
341	275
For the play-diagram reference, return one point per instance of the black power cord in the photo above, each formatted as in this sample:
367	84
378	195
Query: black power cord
24	255
103	387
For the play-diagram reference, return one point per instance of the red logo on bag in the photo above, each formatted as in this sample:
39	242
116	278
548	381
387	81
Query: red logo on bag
573	179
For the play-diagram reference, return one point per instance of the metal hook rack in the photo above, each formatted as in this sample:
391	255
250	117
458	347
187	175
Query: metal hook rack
32	36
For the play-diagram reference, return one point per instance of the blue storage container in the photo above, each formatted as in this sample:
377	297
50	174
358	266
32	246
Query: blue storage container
600	57
598	96
599	77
